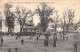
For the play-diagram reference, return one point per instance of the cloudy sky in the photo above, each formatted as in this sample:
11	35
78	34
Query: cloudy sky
59	5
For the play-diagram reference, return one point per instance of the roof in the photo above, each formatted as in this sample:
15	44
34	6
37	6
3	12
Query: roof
29	27
29	24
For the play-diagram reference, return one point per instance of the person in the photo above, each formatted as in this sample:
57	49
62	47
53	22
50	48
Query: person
46	39
60	35
75	47
16	49
54	44
63	38
45	42
67	38
22	41
54	34
2	42
56	38
16	37
9	50
37	37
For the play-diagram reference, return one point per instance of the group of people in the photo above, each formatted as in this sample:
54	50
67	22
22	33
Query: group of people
36	37
45	41
55	39
22	40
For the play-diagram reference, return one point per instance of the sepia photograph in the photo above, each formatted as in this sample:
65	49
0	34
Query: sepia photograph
39	26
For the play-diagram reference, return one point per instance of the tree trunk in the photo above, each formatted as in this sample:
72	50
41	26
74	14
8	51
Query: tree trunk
8	29
22	25
21	28
67	29
63	33
55	27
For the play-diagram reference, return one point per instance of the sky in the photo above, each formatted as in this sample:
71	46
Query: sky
59	5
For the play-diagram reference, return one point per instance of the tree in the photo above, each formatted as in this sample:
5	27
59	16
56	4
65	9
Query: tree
63	24
9	17
44	14
66	21
69	18
21	15
55	21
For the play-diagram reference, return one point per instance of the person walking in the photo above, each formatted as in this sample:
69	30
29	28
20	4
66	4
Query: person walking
75	47
22	41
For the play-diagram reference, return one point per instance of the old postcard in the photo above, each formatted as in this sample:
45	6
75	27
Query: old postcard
39	26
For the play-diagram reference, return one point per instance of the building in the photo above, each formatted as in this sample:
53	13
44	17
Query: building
29	29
